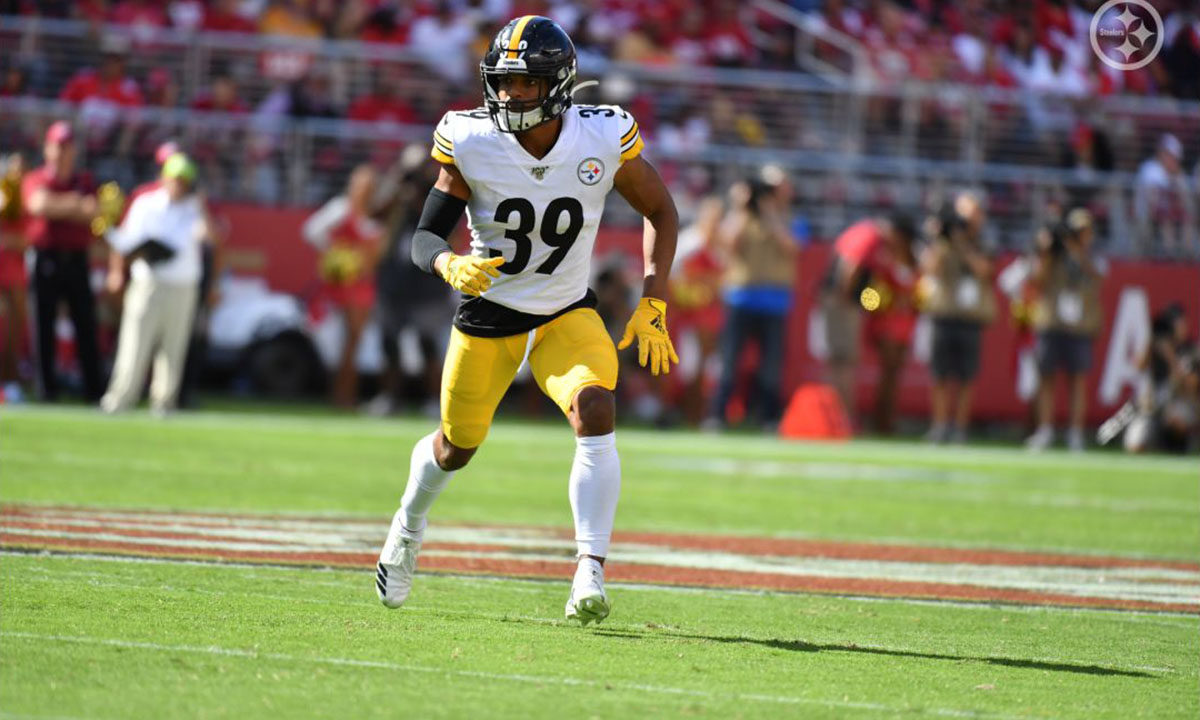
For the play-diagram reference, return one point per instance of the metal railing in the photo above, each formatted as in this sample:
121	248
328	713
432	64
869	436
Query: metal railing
816	48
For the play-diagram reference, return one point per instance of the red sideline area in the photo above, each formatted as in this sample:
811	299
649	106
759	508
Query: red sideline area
30	528
652	574
267	242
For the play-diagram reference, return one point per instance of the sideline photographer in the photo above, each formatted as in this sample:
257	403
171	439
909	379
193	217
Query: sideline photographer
1169	404
958	293
1066	280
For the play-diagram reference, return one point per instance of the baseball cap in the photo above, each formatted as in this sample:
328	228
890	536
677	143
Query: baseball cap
1171	144
165	151
60	132
179	166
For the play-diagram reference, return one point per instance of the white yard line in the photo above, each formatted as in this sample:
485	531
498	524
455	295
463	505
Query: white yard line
525	679
1186	621
1147	584
354	523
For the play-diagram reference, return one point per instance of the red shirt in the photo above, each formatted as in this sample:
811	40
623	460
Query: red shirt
207	103
376	108
133	13
88	85
217	21
48	234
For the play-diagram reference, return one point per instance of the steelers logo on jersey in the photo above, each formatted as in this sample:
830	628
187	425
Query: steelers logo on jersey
590	171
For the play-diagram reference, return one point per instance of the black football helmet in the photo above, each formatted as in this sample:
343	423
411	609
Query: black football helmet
529	45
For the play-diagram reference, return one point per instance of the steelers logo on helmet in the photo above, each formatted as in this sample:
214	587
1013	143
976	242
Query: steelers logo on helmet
590	171
533	46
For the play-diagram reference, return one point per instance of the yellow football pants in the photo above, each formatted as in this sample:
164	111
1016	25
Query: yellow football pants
566	355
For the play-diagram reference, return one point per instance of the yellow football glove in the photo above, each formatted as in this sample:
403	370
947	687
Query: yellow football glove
649	324
470	274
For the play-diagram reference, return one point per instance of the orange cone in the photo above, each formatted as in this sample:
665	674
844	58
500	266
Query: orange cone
815	413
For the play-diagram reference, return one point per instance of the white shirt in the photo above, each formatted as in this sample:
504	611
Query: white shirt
178	225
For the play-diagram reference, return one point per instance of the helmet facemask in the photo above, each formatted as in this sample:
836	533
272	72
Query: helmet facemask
514	116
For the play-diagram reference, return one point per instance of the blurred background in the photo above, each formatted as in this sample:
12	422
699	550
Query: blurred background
949	219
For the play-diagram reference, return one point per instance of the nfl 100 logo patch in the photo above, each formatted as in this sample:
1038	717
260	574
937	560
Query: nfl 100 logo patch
590	171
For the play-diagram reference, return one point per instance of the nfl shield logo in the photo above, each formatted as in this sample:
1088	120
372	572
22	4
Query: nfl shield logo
538	172
590	171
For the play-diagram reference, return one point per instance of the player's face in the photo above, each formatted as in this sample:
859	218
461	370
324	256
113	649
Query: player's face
520	88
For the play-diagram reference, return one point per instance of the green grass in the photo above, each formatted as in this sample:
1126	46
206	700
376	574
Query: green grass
98	638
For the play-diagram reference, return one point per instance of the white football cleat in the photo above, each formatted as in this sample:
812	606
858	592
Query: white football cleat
397	563
588	603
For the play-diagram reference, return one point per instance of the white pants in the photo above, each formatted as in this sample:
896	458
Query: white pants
157	320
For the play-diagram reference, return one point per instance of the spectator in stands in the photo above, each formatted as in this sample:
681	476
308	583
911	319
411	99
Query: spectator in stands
1169	404
351	244
144	19
104	96
14	283
387	24
15	80
1181	53
759	255
292	18
1066	282
957	290
407	297
60	204
872	268
186	15
1164	205
442	39
215	147
161	237
226	16
385	103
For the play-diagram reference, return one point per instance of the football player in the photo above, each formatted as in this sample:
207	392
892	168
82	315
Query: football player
532	170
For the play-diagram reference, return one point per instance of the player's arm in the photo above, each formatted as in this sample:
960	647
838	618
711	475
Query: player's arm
431	251
640	185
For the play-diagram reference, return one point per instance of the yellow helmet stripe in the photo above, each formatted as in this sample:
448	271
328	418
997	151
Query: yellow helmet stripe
514	41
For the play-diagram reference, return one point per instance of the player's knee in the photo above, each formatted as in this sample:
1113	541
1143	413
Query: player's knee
451	457
595	411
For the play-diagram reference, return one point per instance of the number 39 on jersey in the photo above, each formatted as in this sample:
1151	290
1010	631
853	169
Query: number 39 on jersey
540	214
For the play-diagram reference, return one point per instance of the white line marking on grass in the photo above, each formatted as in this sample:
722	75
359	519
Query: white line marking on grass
1156	585
23	716
252	570
499	677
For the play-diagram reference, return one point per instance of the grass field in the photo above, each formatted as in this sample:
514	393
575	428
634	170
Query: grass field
218	565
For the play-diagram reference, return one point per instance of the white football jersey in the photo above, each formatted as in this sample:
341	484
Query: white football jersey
541	214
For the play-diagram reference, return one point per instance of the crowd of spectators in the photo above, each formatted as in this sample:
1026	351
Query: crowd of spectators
1042	45
244	102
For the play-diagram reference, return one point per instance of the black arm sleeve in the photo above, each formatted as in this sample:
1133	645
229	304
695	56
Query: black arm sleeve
438	218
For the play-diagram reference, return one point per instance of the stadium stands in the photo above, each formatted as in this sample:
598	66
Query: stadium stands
932	95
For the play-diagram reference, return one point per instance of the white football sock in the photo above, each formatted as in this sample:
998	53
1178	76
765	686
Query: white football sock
595	487
426	480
